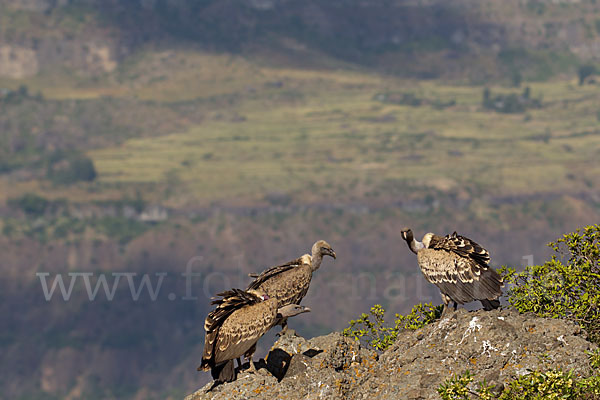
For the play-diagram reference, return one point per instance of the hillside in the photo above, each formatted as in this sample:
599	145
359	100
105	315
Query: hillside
223	137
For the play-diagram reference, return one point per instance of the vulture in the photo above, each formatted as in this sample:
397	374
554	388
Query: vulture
234	327
458	267
288	283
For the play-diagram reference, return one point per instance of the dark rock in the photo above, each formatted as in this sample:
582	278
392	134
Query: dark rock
298	367
278	362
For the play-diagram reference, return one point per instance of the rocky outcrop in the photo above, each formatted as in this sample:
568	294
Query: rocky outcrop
496	346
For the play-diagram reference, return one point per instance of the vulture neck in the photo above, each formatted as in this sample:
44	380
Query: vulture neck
315	261
414	244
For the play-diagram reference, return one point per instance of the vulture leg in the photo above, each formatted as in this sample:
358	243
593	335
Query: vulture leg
455	306
445	311
446	299
251	369
285	330
284	327
239	361
249	354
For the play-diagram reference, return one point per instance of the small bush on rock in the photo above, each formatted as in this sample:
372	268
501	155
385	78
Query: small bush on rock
569	289
536	385
376	334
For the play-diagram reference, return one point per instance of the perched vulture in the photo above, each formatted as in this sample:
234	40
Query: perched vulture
458	267
234	327
289	283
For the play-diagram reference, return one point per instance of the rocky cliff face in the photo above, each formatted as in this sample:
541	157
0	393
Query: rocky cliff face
496	346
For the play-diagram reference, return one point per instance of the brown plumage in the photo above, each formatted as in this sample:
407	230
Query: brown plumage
458	267
234	327
289	283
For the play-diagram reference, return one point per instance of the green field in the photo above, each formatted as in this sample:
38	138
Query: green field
328	130
343	134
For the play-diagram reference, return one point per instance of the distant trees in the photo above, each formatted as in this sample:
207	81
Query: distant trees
516	78
8	96
509	103
30	203
66	168
585	71
412	100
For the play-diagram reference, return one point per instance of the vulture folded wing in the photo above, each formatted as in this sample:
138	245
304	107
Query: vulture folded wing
461	278
243	329
461	246
440	267
230	301
271	272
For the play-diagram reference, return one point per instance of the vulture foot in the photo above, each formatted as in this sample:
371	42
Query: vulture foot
251	369
287	332
449	311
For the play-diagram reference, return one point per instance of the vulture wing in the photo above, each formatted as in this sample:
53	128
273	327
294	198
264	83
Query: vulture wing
460	278
230	301
461	246
271	272
242	330
288	283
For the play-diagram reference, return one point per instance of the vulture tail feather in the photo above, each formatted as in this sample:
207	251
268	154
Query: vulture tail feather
224	372
489	305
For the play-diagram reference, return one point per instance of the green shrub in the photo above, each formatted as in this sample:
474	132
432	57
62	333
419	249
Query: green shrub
405	98
376	334
553	384
536	385
595	359
67	169
511	103
569	289
120	228
585	71
30	203
455	388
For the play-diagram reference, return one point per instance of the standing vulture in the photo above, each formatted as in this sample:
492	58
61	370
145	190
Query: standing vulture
289	283
234	327
458	267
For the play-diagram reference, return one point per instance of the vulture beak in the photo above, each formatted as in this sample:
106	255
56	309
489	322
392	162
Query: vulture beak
405	233
331	253
306	309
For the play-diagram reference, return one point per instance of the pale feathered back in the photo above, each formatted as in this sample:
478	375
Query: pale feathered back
458	267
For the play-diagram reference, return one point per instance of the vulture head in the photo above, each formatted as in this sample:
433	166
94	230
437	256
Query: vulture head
322	248
413	244
291	310
407	235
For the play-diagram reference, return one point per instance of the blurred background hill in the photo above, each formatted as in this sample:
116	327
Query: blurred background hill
145	136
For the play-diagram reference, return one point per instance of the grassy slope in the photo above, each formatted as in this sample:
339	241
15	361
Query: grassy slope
245	130
326	129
